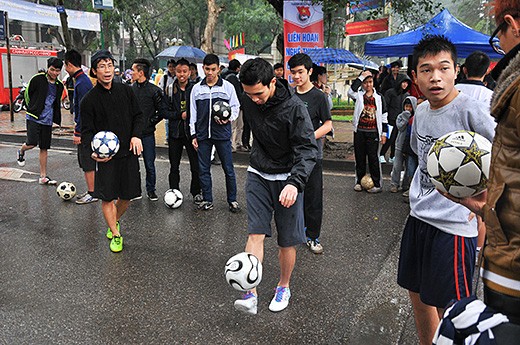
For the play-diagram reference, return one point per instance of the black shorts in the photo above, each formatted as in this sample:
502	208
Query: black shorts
85	161
436	265
262	200
38	135
118	178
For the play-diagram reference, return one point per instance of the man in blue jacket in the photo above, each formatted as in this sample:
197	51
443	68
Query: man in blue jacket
43	99
207	132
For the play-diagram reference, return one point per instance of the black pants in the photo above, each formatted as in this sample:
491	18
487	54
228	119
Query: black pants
366	145
175	147
313	201
246	133
390	143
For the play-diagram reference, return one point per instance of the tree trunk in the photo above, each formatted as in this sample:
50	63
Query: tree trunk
65	27
213	13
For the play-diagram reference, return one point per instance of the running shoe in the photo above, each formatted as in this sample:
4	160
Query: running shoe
234	207
314	246
198	199
47	180
394	189
20	158
86	199
116	245
109	231
248	303
281	298
375	190
152	196
206	205
358	187
382	159
79	196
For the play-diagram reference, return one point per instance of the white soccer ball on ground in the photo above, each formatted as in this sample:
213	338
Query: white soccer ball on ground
458	163
66	191
173	198
243	271
105	144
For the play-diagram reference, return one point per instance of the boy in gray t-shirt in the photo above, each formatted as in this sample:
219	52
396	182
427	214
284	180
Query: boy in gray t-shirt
439	240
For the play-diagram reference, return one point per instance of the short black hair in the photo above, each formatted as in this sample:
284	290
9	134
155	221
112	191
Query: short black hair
278	65
396	63
54	62
256	71
211	59
300	59
194	65
234	65
183	62
433	45
143	65
172	61
477	64
73	57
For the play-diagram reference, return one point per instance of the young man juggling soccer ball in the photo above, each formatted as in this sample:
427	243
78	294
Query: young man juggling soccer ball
282	158
113	107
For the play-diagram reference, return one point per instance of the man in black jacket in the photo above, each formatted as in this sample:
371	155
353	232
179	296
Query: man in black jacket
237	126
283	156
113	107
43	99
154	107
179	130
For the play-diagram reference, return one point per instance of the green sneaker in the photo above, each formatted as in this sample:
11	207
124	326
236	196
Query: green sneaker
116	245
109	231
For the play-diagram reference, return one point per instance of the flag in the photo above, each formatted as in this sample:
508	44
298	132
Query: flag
226	43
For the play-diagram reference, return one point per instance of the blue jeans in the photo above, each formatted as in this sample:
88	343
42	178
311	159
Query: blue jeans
149	161
223	148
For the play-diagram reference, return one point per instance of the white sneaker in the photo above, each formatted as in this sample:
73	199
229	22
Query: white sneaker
358	187
382	159
247	304
47	180
86	199
390	160
280	300
315	246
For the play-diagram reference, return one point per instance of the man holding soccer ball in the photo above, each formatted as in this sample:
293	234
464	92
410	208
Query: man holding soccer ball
113	107
283	156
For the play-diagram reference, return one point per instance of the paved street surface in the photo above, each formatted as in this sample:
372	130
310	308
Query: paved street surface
60	284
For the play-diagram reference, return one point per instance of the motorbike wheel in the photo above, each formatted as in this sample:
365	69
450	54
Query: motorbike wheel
66	104
18	105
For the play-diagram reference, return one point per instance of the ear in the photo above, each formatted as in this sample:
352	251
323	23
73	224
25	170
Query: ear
511	21
457	70
414	76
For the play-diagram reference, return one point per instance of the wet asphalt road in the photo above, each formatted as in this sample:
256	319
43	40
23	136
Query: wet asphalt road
60	284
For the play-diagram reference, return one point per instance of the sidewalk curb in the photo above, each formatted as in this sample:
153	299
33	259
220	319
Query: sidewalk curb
238	157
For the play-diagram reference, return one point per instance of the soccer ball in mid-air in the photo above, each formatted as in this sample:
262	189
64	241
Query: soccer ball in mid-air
367	182
458	163
173	198
66	190
243	271
105	144
221	111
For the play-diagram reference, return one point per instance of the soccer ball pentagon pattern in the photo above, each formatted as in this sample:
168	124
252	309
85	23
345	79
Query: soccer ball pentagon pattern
458	163
173	198
66	190
367	182
243	271
105	144
221	110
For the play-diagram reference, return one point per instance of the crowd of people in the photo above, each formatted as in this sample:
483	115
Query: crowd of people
396	112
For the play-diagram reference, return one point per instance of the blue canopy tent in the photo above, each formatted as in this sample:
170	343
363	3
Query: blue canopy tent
465	38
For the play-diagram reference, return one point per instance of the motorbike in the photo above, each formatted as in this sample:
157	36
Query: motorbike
19	101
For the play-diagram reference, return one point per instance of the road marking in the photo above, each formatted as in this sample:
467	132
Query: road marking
14	174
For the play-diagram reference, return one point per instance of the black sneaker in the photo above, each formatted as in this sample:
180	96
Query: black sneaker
198	199
206	205
234	207
152	196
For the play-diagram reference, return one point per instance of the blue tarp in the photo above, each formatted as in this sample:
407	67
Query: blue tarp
465	38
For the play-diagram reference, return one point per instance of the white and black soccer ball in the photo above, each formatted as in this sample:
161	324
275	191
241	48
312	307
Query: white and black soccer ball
221	110
458	163
66	191
173	198
243	271
105	144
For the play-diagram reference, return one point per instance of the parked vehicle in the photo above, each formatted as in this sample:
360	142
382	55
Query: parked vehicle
19	101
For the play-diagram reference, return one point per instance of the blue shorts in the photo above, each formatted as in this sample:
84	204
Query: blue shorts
436	265
262	201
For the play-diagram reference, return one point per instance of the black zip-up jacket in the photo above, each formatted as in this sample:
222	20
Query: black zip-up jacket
394	98
114	110
153	104
36	93
283	136
177	127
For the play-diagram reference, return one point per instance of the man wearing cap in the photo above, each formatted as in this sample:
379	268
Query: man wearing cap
113	107
390	81
43	99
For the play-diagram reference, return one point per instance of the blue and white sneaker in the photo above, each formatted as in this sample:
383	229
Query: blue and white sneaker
248	303
280	300
314	245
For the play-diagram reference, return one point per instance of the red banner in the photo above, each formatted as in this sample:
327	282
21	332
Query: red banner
367	27
303	29
231	54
